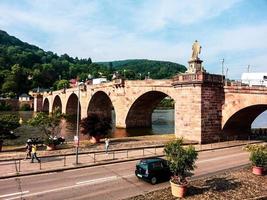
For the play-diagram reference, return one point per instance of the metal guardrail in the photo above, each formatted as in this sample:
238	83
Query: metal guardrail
95	156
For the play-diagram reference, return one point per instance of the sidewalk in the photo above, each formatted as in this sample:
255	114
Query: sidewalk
20	167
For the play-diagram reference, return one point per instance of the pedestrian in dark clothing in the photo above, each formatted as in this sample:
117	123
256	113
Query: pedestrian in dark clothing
28	150
34	154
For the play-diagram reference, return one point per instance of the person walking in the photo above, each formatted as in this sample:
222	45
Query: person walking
34	153
106	144
28	149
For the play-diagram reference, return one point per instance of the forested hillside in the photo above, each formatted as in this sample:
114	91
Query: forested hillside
24	66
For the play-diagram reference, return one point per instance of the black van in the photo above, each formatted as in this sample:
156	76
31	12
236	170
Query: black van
153	170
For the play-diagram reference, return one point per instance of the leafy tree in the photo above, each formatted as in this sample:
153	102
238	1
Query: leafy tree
8	123
61	84
95	126
49	124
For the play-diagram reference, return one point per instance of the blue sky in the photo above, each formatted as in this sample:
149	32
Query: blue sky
105	30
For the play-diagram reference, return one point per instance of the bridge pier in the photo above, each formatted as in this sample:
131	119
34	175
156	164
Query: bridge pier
198	116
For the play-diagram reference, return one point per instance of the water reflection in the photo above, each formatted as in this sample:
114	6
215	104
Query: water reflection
162	123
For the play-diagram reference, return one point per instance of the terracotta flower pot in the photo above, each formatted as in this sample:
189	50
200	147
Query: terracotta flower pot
258	170
178	190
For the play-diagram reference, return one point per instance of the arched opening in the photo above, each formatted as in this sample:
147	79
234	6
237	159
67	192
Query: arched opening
101	105
151	113
57	103
46	105
240	123
72	105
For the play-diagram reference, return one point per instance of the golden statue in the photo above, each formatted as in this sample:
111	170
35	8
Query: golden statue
196	50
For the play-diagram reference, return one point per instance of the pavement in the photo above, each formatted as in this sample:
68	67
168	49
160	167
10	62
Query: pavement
62	162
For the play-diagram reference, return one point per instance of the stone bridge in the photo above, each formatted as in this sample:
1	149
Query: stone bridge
205	107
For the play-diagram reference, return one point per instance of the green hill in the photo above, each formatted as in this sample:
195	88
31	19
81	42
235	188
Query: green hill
24	66
155	69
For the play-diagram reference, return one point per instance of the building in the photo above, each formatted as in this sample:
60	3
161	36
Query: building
24	97
254	79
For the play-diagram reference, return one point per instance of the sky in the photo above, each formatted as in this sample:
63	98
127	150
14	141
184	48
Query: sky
107	30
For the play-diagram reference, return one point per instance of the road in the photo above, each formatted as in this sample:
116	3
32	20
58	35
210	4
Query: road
107	182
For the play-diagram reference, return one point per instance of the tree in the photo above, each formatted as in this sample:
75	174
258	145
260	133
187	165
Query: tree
49	125
7	124
95	126
61	84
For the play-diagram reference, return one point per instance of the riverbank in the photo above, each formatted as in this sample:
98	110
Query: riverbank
85	145
233	185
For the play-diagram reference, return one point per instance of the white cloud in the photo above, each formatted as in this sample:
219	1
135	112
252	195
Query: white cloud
155	15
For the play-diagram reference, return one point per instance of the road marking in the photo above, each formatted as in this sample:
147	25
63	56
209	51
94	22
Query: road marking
221	157
78	184
99	180
105	179
13	194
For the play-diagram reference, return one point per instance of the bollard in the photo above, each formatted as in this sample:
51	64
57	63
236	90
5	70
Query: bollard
94	157
19	165
64	161
15	162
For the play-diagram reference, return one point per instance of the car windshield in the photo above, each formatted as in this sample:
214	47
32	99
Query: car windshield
143	165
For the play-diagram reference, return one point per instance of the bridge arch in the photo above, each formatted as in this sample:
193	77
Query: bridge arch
101	104
140	112
239	123
72	103
46	105
57	103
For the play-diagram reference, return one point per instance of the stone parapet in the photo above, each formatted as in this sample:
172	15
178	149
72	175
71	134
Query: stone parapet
200	78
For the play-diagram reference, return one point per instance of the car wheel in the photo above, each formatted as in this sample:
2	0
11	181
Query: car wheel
153	180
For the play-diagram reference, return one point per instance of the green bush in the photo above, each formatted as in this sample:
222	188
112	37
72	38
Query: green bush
258	154
25	107
181	160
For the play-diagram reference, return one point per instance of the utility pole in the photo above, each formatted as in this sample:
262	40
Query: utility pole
222	69
248	68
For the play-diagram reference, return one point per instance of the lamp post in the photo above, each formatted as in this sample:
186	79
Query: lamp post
124	73
222	68
77	137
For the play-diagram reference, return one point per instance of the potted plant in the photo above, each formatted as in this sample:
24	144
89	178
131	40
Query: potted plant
181	161
258	157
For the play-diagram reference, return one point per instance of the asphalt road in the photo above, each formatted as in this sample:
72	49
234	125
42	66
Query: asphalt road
107	182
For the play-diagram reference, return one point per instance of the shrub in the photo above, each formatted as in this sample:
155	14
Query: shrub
258	154
181	160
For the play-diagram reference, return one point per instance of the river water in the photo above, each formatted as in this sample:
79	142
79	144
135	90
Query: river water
162	123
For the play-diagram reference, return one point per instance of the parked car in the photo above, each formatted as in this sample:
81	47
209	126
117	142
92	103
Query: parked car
153	170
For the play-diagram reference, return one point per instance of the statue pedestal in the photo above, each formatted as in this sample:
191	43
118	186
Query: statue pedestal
195	66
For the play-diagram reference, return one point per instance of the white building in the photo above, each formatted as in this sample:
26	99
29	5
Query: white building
24	97
254	79
99	80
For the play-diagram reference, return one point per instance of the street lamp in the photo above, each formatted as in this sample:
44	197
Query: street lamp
124	73
77	138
